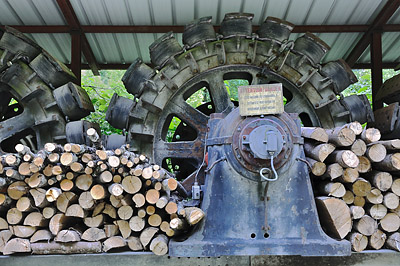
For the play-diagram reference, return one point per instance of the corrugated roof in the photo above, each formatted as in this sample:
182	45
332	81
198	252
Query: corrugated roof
125	47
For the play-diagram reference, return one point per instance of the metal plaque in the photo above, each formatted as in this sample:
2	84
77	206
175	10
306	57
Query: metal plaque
263	99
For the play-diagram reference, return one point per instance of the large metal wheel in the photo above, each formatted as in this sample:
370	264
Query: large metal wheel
37	94
163	94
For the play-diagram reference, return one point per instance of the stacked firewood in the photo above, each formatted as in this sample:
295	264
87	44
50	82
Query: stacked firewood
80	199
356	178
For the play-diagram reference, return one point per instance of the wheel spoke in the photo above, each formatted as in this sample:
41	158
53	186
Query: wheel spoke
16	124
219	94
180	149
190	115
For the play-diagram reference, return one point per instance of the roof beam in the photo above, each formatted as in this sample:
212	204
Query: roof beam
73	22
384	15
179	29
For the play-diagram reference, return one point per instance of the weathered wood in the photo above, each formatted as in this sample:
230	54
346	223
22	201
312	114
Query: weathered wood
5	235
75	210
333	171
359	201
390	145
36	219
366	225
3	224
314	133
49	212
147	235
390	200
193	215
162	202
65	200
159	245
139	200
358	241
341	136
98	192
58	222
395	188
114	242
350	175
39	197
361	187
390	223
357	212
110	211
364	165
374	196
359	147
84	182
115	189
178	224
14	216
111	230
95	221
370	135
390	163
171	207
334	189
105	177
393	241
125	212
80	247
318	152
375	153
381	180
317	168
41	235
335	216
53	193
25	204
17	245
131	184
94	234
124	228
154	220
152	196
94	138
348	197
67	236
17	189
134	243
345	158
377	211
66	185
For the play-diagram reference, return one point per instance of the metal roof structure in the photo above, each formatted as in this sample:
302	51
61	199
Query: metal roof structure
113	33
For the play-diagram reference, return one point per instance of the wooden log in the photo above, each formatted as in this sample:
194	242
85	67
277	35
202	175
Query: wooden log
147	172
154	220
111	230
48	170
67	236
124	228
86	201
98	192
95	221
390	223
333	171
84	182
137	224
23	169
162	202
52	147
110	211
139	200
390	145
159	174
39	197
66	185
359	201
358	241
355	126
193	215
341	136
54	157
159	245
68	158
377	211
116	189
334	189
80	247
317	168
75	210
25	204
57	170
41	235
14	216
170	184
366	225
93	234
49	212
141	212
3	224
318	152
77	167
147	235
105	177
361	187
58	222
359	147
178	224
125	212
345	158
364	165
314	133
357	212
335	216
65	200
152	196
377	239
390	163
131	184
390	200
393	241
114	161
171	207
98	208
374	196
395	188
381	180
36	219
348	197
370	135
113	242
12	159
53	193
22	231
13	174
17	245
116	201
5	235
375	153
17	189
134	243
86	157
350	175
150	210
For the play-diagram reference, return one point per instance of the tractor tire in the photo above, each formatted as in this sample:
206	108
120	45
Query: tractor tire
38	94
205	61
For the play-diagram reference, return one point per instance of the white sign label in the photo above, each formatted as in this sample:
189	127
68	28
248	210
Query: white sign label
263	99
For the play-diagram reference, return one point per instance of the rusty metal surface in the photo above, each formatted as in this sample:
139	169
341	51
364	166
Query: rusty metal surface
390	91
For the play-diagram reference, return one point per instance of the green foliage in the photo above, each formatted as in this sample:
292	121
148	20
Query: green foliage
101	89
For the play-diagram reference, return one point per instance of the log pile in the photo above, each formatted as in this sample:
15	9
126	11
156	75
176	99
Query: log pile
80	199
356	180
